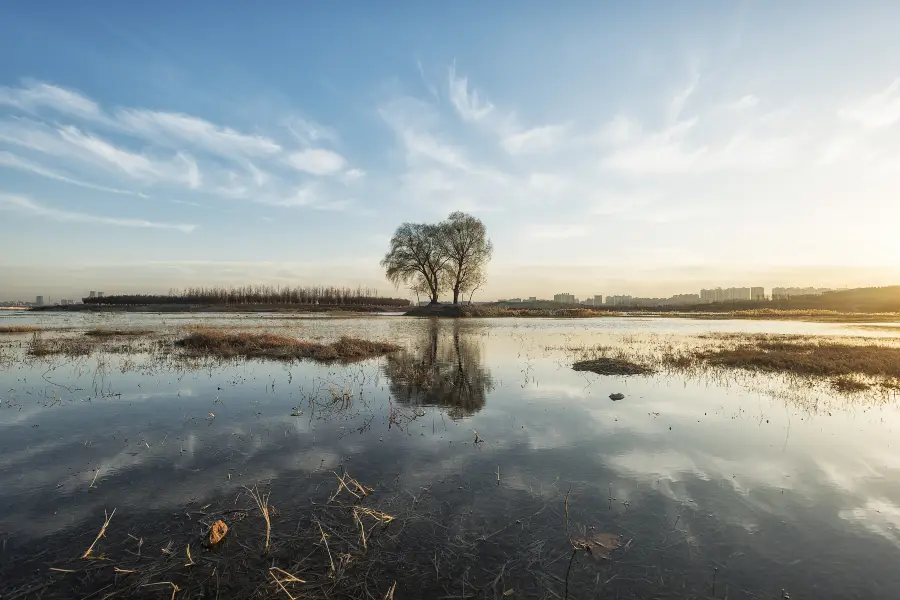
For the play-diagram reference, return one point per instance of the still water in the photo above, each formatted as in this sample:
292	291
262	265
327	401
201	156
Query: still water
718	487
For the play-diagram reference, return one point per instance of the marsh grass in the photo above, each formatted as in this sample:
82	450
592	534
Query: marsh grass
109	333
11	329
815	315
613	366
845	365
72	347
815	358
225	344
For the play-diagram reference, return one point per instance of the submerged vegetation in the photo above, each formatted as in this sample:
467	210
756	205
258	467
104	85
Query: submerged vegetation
117	332
222	344
18	329
826	358
846	365
613	366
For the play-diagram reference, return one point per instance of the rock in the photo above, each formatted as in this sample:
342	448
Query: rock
216	533
616	396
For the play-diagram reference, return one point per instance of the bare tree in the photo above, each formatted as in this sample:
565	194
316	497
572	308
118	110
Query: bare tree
464	243
416	258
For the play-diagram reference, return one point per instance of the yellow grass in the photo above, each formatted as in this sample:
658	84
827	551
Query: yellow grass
211	342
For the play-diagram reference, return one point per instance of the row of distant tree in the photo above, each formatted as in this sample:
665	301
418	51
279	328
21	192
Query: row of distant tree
431	258
259	294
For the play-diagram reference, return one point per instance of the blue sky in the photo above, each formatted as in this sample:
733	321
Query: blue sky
644	148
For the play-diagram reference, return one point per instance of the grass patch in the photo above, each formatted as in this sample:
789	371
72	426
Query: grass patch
210	342
106	333
612	366
829	359
815	315
63	346
19	328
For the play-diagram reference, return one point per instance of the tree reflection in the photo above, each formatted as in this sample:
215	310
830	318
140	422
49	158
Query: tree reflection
445	369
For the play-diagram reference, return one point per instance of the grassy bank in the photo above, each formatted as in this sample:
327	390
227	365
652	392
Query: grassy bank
211	342
12	329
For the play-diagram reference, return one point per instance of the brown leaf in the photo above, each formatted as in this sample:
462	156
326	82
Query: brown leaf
217	533
598	545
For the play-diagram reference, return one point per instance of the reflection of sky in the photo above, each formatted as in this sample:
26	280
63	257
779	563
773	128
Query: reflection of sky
737	467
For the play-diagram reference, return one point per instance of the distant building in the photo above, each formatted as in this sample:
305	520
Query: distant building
39	301
619	300
684	299
532	298
707	296
598	299
518	300
99	294
564	298
740	294
92	294
757	294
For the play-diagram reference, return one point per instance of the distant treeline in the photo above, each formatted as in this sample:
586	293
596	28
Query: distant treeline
331	296
864	300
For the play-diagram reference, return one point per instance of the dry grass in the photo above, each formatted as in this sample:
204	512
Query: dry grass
210	342
816	315
613	366
64	346
19	328
825	358
107	333
262	502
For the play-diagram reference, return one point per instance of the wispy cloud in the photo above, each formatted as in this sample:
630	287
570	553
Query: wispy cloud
309	133
35	95
468	103
317	162
28	206
680	100
536	139
10	160
170	150
178	129
878	111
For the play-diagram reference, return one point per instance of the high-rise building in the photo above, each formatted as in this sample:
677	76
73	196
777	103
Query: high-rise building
757	294
741	294
99	294
598	299
619	300
92	294
564	298
39	301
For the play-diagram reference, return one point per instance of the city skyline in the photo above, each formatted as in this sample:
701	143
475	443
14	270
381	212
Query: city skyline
705	145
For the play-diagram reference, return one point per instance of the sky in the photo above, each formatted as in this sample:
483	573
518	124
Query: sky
638	148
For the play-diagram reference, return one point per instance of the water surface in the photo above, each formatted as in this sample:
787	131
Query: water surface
719	486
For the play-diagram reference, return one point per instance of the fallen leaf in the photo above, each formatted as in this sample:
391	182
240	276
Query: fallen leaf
598	545
217	532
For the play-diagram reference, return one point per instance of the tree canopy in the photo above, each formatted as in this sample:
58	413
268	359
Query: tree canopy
432	258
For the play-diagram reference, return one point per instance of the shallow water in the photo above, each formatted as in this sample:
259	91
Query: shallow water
736	487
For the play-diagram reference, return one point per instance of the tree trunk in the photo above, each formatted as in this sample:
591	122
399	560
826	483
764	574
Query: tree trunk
456	295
